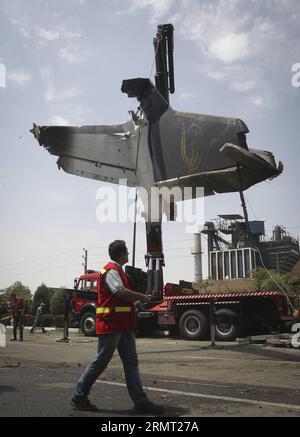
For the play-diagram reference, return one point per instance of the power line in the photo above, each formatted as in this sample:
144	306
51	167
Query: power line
31	260
42	257
13	270
38	271
89	248
36	265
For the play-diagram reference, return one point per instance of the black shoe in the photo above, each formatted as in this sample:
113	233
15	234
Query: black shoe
13	339
31	330
148	408
83	404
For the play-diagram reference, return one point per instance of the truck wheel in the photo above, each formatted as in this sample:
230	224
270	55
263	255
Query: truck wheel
193	325
88	323
226	325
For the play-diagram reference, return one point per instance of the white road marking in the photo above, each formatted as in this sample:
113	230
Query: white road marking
255	360
208	396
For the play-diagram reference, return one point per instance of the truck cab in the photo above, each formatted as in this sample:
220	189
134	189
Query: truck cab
85	301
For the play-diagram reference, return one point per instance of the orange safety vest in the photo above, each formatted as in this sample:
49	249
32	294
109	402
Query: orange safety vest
114	314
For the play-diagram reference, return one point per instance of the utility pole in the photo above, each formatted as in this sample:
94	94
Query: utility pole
85	256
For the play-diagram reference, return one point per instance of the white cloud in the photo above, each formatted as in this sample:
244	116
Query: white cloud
20	77
78	113
263	101
2	75
243	44
212	71
52	94
69	35
238	77
243	86
230	47
58	120
158	8
60	32
24	32
258	101
75	53
48	35
68	54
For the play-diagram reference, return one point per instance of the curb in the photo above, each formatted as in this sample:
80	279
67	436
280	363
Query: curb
49	329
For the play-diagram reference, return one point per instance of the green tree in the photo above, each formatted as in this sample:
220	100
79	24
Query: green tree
20	289
41	295
269	280
58	301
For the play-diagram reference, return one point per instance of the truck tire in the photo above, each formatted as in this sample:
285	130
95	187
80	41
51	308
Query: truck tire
226	325
193	325
88	323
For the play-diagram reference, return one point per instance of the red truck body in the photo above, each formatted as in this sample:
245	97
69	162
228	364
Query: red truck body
188	312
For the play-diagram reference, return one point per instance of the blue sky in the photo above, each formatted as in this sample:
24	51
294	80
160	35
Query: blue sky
63	61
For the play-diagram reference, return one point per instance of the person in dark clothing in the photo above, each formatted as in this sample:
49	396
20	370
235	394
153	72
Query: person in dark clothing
39	318
18	309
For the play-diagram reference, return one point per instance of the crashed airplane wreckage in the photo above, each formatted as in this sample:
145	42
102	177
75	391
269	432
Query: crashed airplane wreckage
159	146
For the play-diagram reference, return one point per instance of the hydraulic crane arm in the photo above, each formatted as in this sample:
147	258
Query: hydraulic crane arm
164	81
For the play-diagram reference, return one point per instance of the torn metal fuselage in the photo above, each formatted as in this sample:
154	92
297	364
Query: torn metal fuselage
161	147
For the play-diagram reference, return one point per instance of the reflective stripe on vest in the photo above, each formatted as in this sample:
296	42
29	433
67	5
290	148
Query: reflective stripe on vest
122	309
102	310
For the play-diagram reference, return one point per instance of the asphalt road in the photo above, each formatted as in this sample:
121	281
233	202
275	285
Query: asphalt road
188	378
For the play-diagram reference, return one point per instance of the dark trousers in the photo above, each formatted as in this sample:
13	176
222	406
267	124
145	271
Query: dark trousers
18	323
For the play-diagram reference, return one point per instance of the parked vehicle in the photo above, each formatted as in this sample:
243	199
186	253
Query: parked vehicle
186	312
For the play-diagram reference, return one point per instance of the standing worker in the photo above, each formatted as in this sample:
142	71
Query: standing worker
39	318
115	327
18	309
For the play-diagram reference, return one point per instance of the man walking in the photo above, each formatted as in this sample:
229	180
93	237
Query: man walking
115	327
39	318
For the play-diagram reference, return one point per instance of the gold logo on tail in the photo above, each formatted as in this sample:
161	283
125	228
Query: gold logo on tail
190	146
